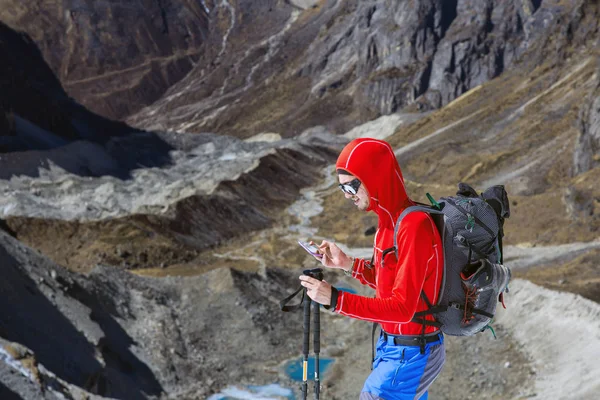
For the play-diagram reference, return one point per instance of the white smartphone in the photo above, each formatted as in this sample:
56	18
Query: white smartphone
312	249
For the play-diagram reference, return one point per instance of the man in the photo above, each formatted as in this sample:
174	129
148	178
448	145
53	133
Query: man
409	355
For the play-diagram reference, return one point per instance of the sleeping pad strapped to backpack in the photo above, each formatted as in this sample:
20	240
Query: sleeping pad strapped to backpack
471	228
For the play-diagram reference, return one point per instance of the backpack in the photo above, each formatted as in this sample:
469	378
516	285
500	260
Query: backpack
474	279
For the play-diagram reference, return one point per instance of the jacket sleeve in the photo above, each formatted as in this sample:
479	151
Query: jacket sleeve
364	272
415	254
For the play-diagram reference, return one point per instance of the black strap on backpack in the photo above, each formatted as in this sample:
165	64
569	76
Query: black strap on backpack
497	198
419	317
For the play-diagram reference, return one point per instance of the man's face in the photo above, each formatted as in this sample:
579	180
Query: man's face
361	198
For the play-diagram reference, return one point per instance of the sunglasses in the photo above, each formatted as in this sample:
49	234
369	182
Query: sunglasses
351	187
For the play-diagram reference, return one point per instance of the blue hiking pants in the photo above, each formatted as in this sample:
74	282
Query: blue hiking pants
402	372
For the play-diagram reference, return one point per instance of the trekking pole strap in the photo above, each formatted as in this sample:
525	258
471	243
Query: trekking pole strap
314	273
286	308
374	329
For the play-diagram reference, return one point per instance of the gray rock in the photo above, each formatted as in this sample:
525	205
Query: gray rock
587	149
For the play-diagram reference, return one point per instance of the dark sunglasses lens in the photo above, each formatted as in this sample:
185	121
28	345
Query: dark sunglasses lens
348	189
351	187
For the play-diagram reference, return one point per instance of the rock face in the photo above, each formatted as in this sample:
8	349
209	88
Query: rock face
358	60
113	57
40	125
73	336
245	67
23	71
587	151
121	336
35	111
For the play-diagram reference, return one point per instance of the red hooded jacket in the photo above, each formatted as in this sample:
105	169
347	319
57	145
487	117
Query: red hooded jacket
397	282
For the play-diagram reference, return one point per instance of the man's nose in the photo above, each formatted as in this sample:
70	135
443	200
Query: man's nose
347	195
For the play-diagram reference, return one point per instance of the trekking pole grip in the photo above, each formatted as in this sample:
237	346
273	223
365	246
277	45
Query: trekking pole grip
316	328
306	326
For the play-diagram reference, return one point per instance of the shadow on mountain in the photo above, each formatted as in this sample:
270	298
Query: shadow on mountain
7	394
124	376
41	125
27	316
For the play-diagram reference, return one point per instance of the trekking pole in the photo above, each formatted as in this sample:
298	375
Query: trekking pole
317	345
306	302
316	273
306	326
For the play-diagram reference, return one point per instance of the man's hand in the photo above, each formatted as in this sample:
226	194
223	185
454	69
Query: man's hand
334	257
319	291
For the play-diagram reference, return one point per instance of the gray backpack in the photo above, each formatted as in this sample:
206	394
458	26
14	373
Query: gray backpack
471	228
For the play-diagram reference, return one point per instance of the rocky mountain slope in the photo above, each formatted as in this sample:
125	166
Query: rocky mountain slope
111	334
114	57
35	111
216	188
339	62
150	265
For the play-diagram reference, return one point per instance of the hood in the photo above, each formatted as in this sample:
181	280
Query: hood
374	163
